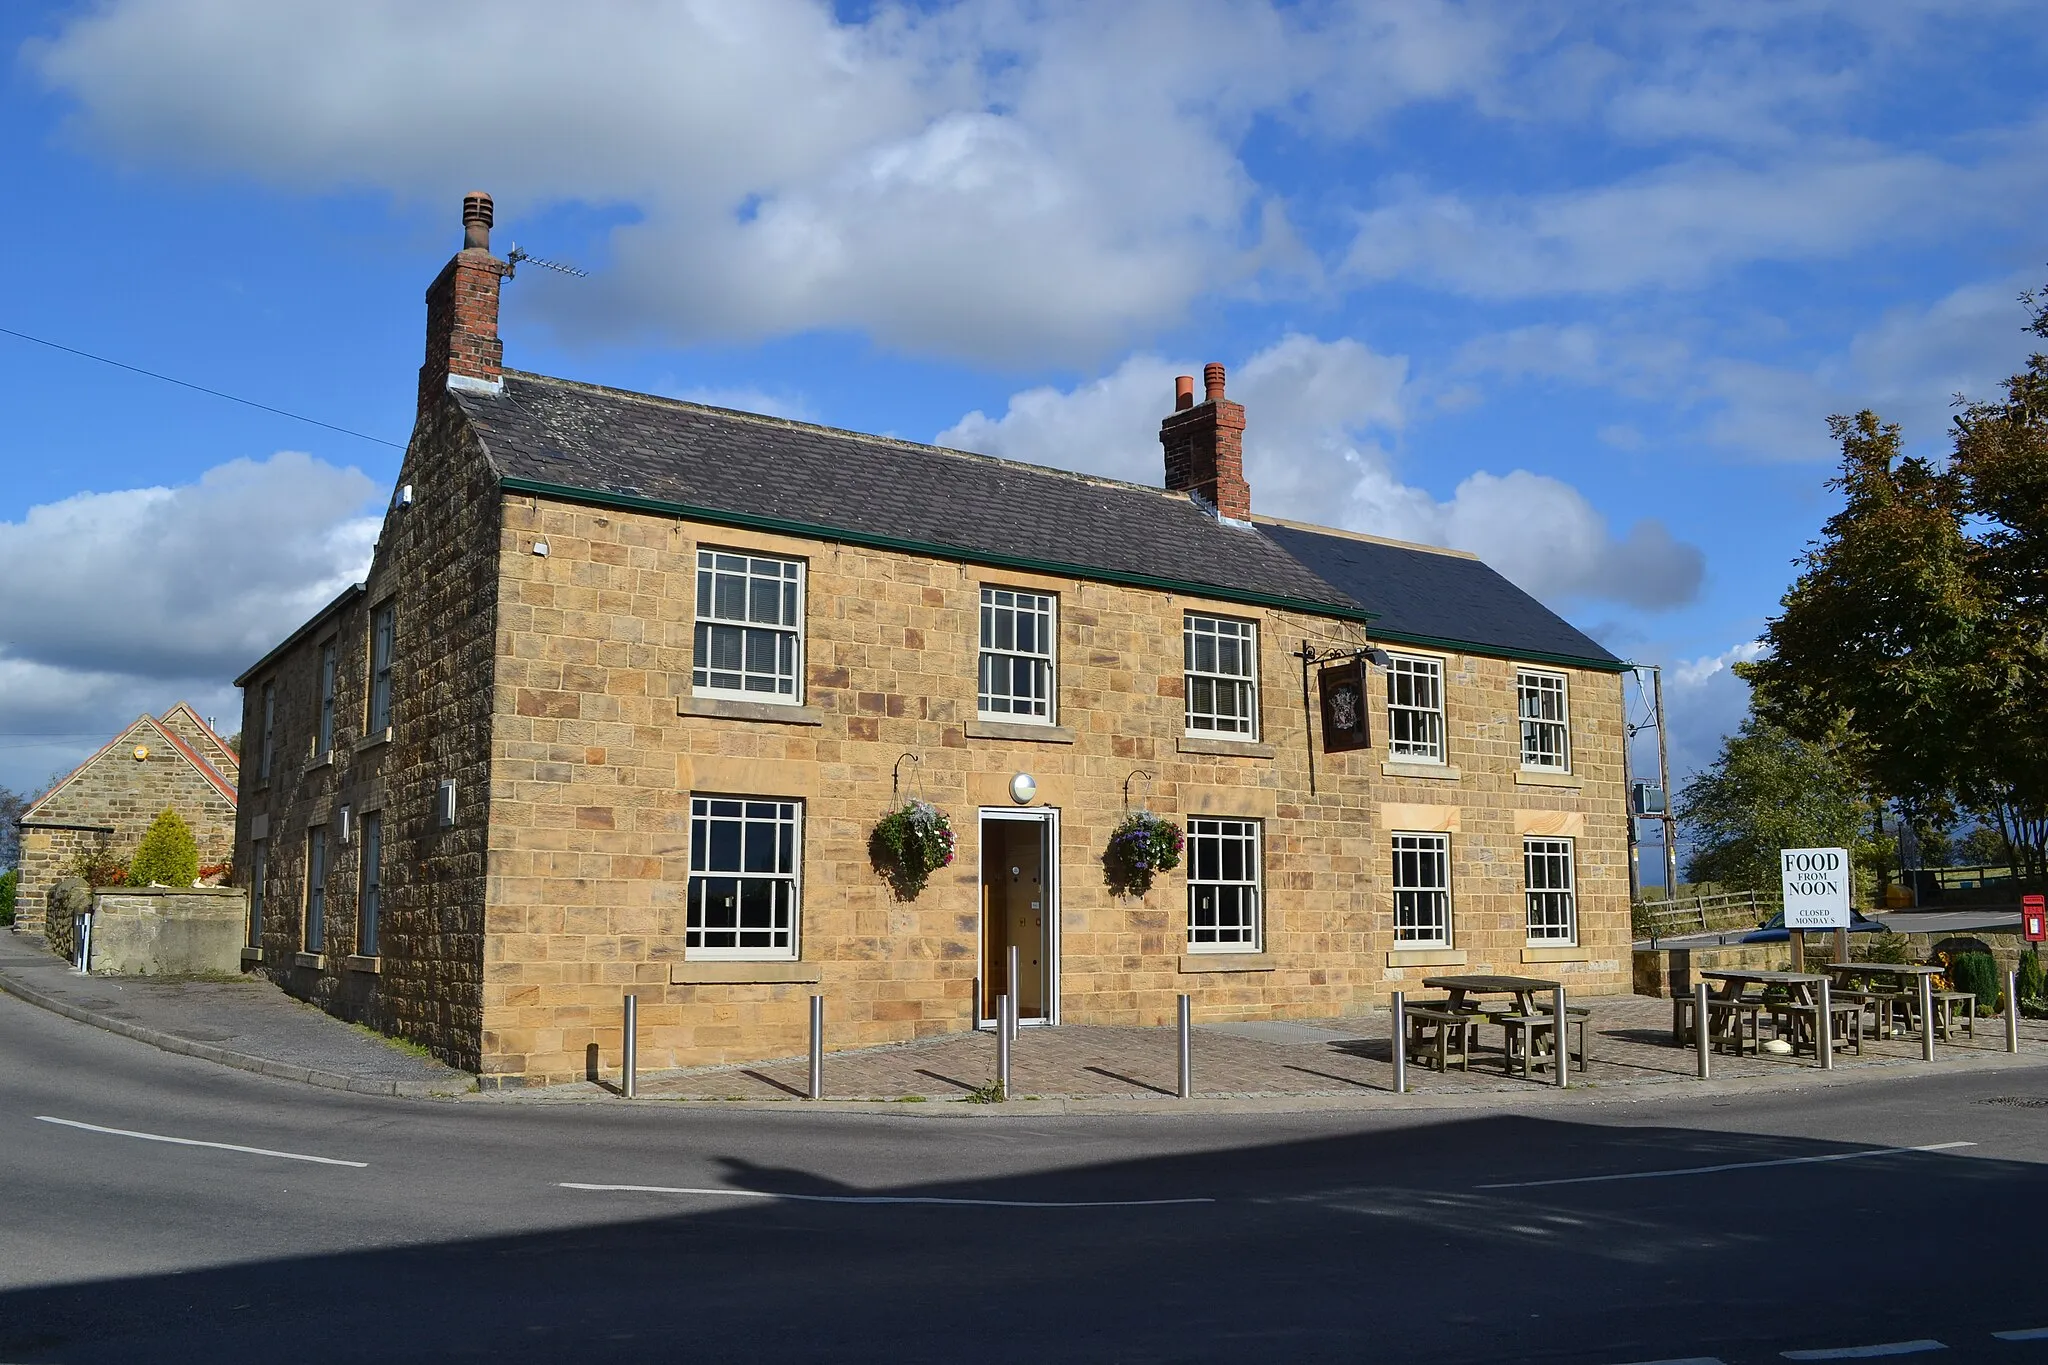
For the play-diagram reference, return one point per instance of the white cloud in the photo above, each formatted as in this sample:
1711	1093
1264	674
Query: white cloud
128	601
1315	415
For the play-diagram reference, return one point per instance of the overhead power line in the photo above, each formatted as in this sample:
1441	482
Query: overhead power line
197	388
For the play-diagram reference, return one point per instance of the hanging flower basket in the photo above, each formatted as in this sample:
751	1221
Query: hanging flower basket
909	844
1141	847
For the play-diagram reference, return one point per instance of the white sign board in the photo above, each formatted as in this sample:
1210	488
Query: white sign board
1816	884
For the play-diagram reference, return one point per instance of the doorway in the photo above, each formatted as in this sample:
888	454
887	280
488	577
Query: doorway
1020	908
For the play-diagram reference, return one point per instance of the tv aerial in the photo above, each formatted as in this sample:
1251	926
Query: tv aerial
516	257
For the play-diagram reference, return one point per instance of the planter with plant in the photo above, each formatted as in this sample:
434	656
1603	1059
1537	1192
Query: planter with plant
909	844
1141	847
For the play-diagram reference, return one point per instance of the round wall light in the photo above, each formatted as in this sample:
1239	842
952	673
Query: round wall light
1023	787
141	752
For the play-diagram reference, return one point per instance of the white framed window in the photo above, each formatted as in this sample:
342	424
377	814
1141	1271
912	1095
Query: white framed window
1553	901
266	751
1017	633
1422	890
316	889
1223	885
749	639
1222	676
383	648
370	900
1546	719
746	866
1415	709
259	870
324	745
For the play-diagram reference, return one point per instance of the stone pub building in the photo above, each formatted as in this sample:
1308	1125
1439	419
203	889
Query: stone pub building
630	681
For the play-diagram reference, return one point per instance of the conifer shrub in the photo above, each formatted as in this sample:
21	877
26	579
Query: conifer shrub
168	854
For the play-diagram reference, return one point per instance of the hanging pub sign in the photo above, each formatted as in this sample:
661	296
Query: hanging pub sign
1344	719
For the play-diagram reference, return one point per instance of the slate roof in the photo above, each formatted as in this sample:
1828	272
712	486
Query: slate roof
1431	597
554	436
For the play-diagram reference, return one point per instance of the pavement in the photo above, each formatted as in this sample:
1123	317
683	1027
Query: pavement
243	1022
155	1207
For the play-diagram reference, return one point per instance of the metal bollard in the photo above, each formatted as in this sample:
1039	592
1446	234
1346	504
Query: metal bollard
1399	1005
817	1047
1926	1019
1003	1016
1702	1034
1015	994
629	1060
1824	1029
85	944
2012	1011
1560	1041
1187	1070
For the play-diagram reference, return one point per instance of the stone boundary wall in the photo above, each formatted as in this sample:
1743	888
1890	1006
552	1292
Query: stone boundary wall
168	931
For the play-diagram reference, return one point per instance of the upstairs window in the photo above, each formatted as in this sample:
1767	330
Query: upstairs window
744	867
266	749
1422	890
749	642
1415	709
1553	904
1016	655
1546	729
1222	677
383	646
325	744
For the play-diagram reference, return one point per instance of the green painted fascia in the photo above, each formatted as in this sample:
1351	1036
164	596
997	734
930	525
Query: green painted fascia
638	503
1498	652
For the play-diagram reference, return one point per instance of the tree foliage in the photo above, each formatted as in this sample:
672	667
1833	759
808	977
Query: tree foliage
1766	791
1917	630
168	854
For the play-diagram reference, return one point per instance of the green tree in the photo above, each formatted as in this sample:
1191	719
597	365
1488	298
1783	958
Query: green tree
1768	790
9	881
168	854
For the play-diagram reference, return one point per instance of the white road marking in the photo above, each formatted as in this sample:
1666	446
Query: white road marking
1687	1360
1889	1348
195	1142
889	1198
1730	1166
2024	1334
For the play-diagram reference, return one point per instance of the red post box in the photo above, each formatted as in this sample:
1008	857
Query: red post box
2034	918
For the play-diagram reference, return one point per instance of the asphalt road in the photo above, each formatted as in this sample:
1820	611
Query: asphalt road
472	1229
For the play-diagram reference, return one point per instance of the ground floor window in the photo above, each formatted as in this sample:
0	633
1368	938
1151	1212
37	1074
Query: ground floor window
1223	884
1422	890
316	889
370	902
744	872
259	868
1553	903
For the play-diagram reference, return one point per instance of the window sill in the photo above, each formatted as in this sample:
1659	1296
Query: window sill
1225	962
317	961
714	973
981	728
1556	952
1228	748
728	708
1426	957
1441	772
356	962
319	761
383	736
250	955
1545	777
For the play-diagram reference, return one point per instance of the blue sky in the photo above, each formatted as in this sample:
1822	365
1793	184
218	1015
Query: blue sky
1571	285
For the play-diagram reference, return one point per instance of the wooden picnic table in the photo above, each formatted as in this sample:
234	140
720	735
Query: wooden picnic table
1731	1007
1859	980
1526	1014
1525	989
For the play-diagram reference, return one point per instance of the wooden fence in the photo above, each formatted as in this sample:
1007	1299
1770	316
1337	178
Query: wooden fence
1704	914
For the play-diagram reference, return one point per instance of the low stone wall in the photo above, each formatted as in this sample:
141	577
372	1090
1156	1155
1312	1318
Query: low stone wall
64	902
168	931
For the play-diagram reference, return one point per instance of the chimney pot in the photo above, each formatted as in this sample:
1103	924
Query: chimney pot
1204	446
1212	381
1183	391
477	216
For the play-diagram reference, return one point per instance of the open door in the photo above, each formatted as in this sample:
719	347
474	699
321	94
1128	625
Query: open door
1019	908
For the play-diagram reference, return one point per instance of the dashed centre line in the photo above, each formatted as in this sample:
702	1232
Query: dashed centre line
1888	1348
2024	1334
889	1198
195	1142
1726	1166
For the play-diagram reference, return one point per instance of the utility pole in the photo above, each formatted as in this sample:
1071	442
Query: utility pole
1664	780
1628	736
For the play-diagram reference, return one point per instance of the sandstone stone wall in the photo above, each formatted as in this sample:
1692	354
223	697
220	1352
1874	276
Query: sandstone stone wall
109	804
598	745
166	931
435	562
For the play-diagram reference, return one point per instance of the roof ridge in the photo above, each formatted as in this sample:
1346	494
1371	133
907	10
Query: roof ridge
847	433
1315	528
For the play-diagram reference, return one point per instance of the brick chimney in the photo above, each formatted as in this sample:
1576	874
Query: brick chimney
463	350
1205	445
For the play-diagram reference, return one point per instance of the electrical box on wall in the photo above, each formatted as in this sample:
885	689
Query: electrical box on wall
444	804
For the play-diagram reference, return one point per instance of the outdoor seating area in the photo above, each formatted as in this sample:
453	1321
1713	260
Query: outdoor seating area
1748	1010
1452	1028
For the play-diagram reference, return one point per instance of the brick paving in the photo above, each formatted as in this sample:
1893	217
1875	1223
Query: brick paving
1629	1038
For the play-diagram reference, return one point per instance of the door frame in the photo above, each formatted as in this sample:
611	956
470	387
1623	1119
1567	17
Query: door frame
1049	818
